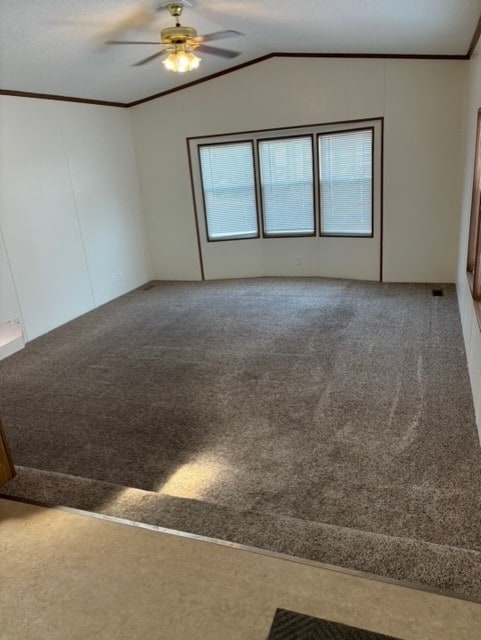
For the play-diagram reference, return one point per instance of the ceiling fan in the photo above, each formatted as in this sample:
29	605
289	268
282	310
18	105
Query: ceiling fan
181	42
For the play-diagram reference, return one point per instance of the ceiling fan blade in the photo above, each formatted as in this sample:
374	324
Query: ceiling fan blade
145	60
216	51
218	35
131	42
138	19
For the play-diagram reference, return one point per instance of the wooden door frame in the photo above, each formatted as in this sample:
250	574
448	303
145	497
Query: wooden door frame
7	470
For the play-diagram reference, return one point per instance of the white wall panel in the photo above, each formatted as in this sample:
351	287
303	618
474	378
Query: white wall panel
234	259
38	217
69	208
366	97
297	91
163	169
422	102
231	96
290	256
99	154
422	151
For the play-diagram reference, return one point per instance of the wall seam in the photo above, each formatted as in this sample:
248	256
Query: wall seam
10	270
201	266
77	216
148	251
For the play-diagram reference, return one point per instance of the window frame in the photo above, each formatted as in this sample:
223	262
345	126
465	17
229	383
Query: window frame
376	123
256	195
473	265
276	138
323	234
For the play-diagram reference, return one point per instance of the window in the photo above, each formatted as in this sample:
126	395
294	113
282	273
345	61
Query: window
297	182
474	246
229	190
345	175
287	186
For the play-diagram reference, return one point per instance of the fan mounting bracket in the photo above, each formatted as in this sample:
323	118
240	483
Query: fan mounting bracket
175	9
172	35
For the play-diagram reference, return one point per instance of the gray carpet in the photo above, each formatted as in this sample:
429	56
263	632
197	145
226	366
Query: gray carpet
288	625
324	402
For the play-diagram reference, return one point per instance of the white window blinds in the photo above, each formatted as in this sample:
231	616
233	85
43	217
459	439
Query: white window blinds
345	171
229	190
287	186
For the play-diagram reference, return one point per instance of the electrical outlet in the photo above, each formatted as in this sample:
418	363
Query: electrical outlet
119	277
300	261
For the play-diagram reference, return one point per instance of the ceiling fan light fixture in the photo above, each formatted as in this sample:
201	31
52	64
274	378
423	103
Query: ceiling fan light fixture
181	61
181	42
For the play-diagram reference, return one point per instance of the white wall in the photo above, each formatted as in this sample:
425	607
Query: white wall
70	212
422	103
471	329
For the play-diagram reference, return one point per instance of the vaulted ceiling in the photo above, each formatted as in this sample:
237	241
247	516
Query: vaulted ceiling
58	47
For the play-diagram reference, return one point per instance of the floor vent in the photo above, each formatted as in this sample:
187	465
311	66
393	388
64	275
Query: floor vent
438	292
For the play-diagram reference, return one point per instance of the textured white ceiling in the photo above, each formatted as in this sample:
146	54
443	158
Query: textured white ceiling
55	46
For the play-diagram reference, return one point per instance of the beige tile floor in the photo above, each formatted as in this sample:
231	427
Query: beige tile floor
67	576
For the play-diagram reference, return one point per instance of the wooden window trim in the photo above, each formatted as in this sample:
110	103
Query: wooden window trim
473	227
474	241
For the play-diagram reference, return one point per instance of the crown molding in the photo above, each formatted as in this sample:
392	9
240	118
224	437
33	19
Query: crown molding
243	65
475	39
50	96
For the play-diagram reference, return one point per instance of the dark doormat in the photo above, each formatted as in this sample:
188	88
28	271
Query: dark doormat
288	625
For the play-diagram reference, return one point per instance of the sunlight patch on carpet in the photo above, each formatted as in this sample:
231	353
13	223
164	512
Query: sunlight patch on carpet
193	479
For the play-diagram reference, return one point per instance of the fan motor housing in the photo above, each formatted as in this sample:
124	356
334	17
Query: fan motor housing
171	35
